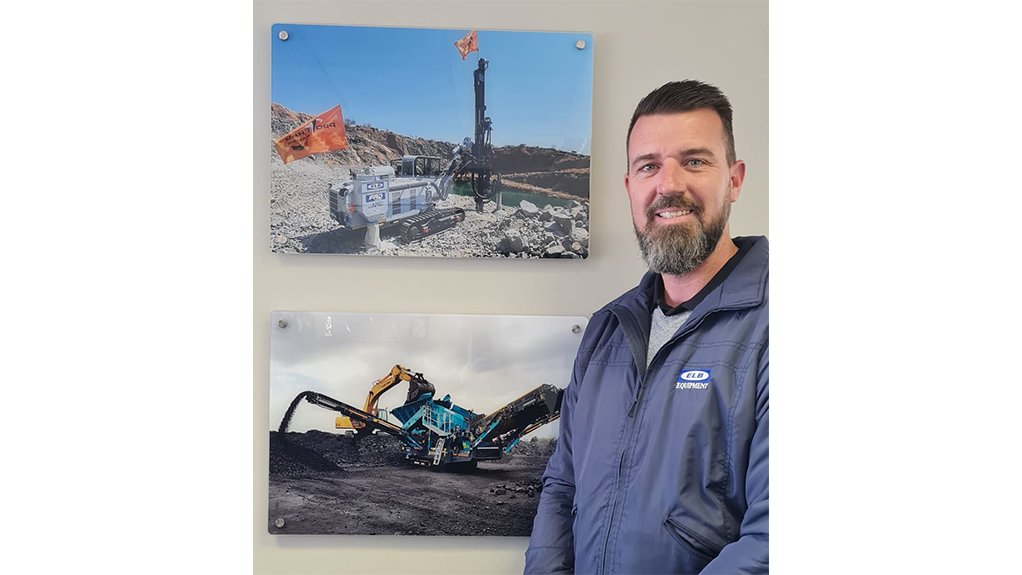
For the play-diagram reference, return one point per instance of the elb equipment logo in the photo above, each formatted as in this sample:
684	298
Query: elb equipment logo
693	379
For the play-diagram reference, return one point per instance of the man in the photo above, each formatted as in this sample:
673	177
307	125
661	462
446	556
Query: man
661	464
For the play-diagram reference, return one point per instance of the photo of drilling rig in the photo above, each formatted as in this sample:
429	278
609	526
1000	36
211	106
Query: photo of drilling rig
389	141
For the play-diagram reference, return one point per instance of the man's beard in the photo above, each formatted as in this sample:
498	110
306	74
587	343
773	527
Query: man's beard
677	249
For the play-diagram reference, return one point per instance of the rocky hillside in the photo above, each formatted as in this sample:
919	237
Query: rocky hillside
542	170
367	146
522	158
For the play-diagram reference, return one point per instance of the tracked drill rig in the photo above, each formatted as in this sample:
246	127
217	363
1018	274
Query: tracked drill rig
439	432
407	193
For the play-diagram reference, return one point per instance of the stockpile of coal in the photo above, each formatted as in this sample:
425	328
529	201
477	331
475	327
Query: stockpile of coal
291	459
315	451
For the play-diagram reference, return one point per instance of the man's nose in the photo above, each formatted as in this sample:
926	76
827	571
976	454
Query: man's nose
672	178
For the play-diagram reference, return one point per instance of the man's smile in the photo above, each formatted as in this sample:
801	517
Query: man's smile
667	215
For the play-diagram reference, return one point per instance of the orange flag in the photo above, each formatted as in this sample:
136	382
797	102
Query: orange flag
470	43
323	133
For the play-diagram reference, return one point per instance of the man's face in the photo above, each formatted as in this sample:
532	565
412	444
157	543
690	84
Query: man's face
680	187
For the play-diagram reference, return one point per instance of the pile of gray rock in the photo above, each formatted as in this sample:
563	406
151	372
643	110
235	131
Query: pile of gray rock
548	232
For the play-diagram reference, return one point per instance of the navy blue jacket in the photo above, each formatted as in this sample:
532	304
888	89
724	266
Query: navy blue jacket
664	470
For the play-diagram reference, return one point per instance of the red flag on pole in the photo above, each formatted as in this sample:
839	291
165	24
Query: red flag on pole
323	133
470	43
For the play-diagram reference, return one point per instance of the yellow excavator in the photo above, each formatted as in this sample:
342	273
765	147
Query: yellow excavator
417	385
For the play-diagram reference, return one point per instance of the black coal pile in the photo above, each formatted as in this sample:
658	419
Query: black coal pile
290	459
341	450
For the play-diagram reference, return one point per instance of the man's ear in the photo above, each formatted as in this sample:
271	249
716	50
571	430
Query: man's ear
736	179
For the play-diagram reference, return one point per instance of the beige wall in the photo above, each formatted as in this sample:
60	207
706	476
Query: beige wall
637	47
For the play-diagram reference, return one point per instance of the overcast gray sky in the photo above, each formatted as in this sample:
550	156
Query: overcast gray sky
484	362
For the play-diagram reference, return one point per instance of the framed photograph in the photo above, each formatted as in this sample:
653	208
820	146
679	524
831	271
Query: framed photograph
401	424
430	142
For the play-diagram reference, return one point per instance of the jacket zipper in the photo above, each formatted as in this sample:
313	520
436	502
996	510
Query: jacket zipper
631	415
669	342
629	432
620	471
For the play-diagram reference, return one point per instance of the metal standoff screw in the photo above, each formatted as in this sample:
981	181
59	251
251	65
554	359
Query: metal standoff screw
282	35
279	522
581	44
282	323
576	328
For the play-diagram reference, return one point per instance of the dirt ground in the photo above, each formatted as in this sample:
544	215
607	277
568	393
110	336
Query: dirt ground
323	483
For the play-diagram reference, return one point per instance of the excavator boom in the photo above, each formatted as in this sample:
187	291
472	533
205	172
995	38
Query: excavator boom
417	385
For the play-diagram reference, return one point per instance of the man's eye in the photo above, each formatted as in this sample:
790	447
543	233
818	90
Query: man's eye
646	167
695	162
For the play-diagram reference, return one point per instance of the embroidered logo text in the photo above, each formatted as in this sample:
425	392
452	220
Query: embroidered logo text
693	379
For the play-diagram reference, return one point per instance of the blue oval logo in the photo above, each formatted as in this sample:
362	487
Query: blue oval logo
695	375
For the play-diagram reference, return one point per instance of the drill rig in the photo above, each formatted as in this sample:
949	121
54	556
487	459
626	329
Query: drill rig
406	193
439	432
485	184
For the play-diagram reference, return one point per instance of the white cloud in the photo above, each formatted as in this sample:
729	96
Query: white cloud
483	362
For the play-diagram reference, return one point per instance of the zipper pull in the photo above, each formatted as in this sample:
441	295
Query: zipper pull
638	394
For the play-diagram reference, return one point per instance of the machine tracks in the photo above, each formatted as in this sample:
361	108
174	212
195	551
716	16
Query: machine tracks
430	222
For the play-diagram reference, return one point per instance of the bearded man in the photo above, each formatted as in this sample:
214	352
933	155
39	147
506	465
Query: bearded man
662	461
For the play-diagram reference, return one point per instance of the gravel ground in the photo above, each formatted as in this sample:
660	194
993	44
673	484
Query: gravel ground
300	222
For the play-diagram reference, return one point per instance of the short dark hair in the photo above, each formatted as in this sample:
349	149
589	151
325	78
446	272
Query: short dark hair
686	96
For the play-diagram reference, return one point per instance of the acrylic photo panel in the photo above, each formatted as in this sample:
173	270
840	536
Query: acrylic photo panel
430	142
407	424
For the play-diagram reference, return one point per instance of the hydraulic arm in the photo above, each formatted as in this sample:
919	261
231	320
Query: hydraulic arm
417	385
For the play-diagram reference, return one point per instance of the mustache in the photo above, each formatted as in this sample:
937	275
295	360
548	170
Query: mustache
672	201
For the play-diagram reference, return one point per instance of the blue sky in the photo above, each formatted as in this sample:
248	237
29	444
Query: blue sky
414	82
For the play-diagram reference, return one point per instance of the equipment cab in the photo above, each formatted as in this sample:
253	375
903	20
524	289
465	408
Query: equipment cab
417	166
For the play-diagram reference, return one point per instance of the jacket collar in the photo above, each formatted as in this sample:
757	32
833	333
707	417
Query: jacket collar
745	286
